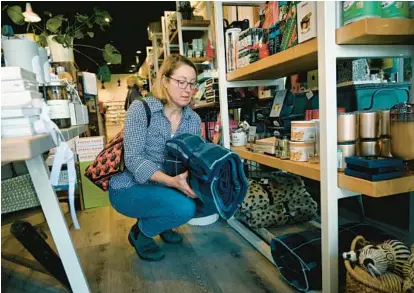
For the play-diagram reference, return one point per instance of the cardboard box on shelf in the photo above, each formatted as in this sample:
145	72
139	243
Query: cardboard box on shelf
312	79
87	157
290	30
87	150
90	141
306	20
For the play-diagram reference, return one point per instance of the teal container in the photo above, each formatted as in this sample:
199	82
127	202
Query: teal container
411	8
356	10
394	9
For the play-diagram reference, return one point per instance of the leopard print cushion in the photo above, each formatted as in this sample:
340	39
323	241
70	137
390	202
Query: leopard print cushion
256	197
280	199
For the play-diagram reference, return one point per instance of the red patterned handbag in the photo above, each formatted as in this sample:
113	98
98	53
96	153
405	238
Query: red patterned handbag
110	161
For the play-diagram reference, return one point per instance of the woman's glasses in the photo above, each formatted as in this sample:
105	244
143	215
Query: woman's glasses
183	84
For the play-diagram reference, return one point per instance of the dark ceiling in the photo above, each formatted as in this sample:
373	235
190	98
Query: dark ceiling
128	30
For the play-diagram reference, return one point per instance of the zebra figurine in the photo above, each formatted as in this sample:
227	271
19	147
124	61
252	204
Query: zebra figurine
398	253
389	256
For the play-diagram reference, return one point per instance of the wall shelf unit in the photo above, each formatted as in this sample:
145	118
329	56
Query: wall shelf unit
303	57
312	171
377	31
392	38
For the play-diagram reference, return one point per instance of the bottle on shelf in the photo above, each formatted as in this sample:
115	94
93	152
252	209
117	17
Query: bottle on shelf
57	98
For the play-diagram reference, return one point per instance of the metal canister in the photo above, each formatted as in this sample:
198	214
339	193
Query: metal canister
284	148
385	122
385	147
369	148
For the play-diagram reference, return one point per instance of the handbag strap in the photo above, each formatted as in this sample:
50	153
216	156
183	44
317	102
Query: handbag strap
147	111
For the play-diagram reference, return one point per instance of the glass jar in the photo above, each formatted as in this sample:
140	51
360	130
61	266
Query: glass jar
402	131
57	98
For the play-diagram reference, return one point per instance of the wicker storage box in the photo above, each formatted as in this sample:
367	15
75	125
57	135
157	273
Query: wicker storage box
18	193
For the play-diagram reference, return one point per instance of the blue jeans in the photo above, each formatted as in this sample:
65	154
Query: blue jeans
158	208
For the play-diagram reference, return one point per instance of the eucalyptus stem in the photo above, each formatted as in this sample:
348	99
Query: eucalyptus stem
77	51
35	25
83	25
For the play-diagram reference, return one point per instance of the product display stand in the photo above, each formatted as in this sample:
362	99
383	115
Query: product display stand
321	53
151	71
175	40
158	52
170	41
31	149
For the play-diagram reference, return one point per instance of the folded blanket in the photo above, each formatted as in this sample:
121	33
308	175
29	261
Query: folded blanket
216	173
298	255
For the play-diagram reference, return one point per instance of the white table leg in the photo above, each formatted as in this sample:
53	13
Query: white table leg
56	221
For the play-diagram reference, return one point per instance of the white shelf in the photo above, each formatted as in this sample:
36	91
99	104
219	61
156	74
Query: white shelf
321	53
27	147
312	171
243	3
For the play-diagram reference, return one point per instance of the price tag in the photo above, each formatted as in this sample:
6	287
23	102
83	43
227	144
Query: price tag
264	181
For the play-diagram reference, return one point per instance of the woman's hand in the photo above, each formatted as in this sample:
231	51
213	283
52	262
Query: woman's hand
180	183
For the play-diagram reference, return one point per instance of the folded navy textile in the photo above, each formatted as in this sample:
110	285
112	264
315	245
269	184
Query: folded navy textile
216	173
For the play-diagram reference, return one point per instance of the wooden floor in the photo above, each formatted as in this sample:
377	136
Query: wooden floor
211	259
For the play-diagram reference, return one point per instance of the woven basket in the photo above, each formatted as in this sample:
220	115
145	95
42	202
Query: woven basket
359	282
17	194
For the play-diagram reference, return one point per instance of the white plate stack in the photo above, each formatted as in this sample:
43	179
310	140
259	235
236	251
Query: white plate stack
18	89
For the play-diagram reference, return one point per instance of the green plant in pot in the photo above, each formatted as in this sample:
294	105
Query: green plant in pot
61	34
186	10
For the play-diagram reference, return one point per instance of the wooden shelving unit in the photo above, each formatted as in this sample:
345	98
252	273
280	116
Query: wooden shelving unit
195	23
312	171
370	38
300	58
304	57
200	59
174	37
204	105
376	31
307	170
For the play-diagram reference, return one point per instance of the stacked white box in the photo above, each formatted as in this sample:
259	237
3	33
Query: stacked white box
88	148
19	89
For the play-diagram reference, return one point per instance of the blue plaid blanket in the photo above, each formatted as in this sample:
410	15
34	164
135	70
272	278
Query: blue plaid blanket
298	256
216	173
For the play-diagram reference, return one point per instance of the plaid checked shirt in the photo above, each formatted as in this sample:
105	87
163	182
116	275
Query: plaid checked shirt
144	148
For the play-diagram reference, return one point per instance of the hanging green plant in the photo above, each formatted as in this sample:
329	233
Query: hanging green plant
104	74
15	13
53	24
66	31
112	55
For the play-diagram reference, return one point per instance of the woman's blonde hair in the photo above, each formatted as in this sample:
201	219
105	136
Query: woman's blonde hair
134	80
170	64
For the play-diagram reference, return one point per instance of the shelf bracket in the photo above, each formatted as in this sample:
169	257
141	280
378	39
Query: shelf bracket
344	193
